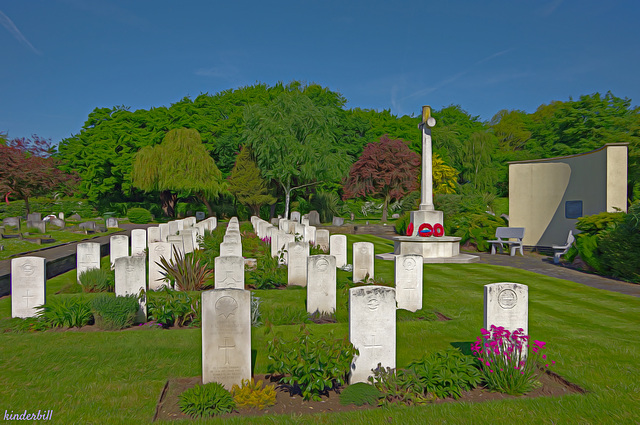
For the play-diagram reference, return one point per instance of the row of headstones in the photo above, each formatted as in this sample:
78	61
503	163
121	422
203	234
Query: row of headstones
318	272
35	221
28	273
229	266
226	328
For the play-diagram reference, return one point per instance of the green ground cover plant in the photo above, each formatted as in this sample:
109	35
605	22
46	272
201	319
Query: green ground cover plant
116	377
97	280
169	307
66	312
254	394
206	400
114	313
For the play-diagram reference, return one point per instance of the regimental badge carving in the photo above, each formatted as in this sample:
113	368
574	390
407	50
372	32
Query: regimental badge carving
373	303
409	264
226	306
322	265
28	269
507	298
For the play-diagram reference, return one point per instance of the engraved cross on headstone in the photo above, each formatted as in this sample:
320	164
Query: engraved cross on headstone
28	297
373	344
226	348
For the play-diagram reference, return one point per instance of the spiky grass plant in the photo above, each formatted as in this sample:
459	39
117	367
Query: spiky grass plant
187	271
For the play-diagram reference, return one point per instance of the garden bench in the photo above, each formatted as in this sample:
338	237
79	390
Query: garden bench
506	236
562	249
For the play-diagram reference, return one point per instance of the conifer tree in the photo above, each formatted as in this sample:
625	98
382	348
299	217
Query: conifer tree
246	184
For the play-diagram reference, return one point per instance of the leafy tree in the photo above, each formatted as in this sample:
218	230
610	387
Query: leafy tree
511	129
294	144
386	168
477	161
180	164
444	177
29	170
247	185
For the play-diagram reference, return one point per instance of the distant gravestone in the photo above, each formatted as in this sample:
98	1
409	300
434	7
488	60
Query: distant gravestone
28	285
314	218
275	243
158	250
118	247
226	336
88	225
229	272
180	224
274	222
322	239
338	248
408	277
506	304
284	225
297	254
59	223
87	257
295	216
395	216
304	221
310	234
200	215
112	223
188	239
362	261
337	221
40	226
75	217
34	217
262	229
11	222
372	329
321	284
138	242
270	233
189	222
299	231
153	235
213	223
232	238
61	216
173	228
131	279
230	249
164	231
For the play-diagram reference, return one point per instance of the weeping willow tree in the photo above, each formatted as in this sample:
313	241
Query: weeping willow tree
181	163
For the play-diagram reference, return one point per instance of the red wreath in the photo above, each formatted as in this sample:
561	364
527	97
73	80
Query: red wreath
410	229
438	230
425	230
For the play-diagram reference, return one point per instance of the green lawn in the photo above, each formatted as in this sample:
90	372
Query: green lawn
116	377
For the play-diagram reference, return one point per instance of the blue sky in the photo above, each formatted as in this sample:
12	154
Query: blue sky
63	58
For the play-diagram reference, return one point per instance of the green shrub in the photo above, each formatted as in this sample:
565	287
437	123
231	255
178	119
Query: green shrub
19	325
402	223
587	246
139	216
254	394
269	274
620	247
328	204
114	313
315	367
169	307
360	394
598	223
66	311
206	400
97	280
188	272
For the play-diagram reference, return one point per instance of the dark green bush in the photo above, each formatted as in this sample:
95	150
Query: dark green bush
402	223
598	223
97	280
169	307
66	311
360	394
620	247
206	400
47	205
114	313
311	365
269	274
139	216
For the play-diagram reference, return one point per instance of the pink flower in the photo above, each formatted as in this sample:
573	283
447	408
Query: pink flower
544	356
539	343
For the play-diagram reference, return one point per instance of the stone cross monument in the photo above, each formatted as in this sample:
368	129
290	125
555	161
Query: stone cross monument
426	213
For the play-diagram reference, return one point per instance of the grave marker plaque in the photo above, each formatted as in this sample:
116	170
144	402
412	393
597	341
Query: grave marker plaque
362	261
28	285
408	273
131	280
321	284
506	304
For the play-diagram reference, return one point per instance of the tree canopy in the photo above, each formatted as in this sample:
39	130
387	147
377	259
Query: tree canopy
181	163
247	185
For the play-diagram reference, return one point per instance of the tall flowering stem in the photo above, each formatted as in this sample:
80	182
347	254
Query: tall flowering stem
508	361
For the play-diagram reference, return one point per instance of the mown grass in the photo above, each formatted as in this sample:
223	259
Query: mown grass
116	377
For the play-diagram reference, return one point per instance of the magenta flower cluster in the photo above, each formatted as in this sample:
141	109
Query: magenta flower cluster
505	360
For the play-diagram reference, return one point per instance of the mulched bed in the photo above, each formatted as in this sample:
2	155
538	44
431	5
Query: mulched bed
167	409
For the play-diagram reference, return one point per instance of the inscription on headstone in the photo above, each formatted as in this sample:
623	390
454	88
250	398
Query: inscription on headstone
321	284
362	261
28	285
408	273
131	280
506	304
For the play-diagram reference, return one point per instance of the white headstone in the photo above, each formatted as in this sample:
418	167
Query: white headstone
321	284
295	216
61	216
362	261
284	225
188	239
232	238
409	281
181	225
229	273
158	250
190	222
262	229
226	336
297	254
230	249
310	234
271	233
338	248
87	257
164	231
173	228
506	304
283	242
131	279
138	242
304	221
28	285
299	231
372	329
118	247
112	223
153	235
322	239
177	242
